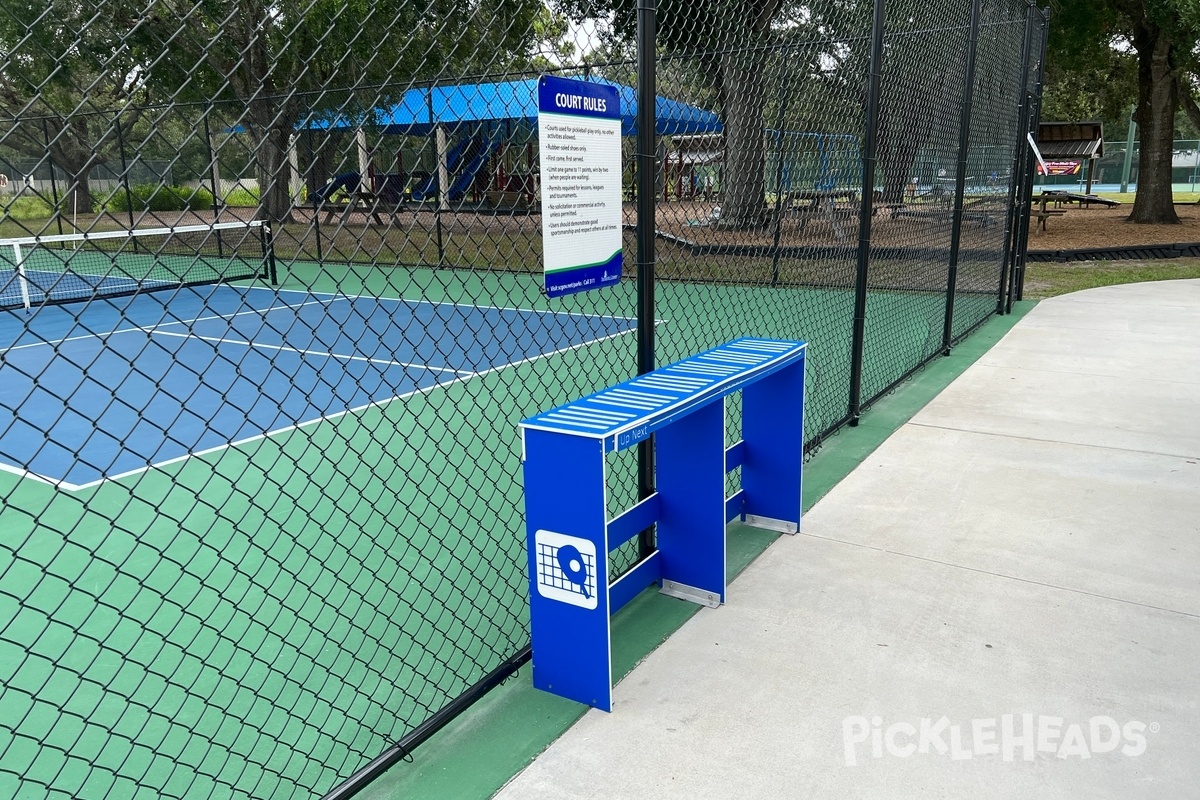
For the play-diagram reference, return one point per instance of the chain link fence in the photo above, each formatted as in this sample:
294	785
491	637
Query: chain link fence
271	308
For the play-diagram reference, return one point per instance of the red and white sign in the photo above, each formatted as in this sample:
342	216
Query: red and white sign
1060	168
3	181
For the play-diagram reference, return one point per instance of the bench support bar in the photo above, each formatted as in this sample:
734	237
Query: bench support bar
766	523
690	593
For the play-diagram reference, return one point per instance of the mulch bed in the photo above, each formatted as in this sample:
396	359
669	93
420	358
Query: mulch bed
1099	227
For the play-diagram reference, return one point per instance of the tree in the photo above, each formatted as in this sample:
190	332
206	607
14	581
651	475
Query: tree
67	85
920	98
1163	35
732	47
727	40
1189	76
280	60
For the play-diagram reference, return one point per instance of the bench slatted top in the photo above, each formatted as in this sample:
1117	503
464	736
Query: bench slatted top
627	413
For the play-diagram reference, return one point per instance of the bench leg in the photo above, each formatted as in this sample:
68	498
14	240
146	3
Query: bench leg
773	430
690	478
565	508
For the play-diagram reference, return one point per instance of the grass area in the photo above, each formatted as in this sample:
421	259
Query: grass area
1127	197
1044	280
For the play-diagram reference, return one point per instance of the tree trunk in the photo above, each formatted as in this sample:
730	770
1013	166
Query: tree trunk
271	129
1158	97
897	154
78	197
77	162
744	189
1187	101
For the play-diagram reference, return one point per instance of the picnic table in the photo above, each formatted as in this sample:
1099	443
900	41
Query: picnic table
1043	212
822	202
348	193
1060	198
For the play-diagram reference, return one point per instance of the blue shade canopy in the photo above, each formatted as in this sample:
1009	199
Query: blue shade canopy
513	102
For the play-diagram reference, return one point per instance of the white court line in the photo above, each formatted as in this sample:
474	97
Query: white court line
24	473
150	328
322	353
333	297
308	423
445	303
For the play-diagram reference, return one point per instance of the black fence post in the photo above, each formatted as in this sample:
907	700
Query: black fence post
960	177
865	210
1016	181
1035	119
784	96
647	169
1025	201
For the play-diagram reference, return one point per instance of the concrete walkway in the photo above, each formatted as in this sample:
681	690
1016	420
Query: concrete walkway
1003	601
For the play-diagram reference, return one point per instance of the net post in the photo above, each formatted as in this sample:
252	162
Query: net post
960	177
19	261
865	211
268	243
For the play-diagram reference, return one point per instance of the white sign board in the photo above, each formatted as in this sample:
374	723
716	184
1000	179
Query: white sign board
579	136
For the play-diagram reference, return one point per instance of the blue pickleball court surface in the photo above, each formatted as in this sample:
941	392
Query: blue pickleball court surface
97	392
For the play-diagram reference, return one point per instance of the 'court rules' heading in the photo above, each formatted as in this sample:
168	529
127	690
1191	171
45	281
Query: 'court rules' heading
575	102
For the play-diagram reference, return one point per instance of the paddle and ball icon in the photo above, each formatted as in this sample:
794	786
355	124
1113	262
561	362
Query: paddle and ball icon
565	568
570	561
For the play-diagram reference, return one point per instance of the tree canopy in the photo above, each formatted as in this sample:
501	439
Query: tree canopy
1101	49
282	60
65	80
766	63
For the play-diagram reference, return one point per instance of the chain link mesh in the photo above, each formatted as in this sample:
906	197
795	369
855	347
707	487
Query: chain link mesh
259	463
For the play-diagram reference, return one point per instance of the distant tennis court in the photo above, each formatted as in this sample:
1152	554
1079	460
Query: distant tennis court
107	392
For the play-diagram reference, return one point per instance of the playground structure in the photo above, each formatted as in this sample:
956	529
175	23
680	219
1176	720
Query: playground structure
452	145
475	146
801	161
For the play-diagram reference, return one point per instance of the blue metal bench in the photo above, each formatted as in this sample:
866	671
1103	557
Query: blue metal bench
569	534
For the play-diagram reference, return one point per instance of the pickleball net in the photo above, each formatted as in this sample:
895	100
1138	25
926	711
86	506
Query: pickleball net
36	270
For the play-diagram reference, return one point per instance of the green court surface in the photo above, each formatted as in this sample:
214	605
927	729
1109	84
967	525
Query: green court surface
261	620
477	754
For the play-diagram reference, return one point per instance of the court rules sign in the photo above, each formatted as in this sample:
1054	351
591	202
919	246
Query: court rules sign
579	136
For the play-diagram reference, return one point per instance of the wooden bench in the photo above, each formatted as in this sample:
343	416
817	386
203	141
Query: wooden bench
1046	213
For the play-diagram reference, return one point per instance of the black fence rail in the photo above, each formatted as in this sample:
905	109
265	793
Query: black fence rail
1145	251
273	307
